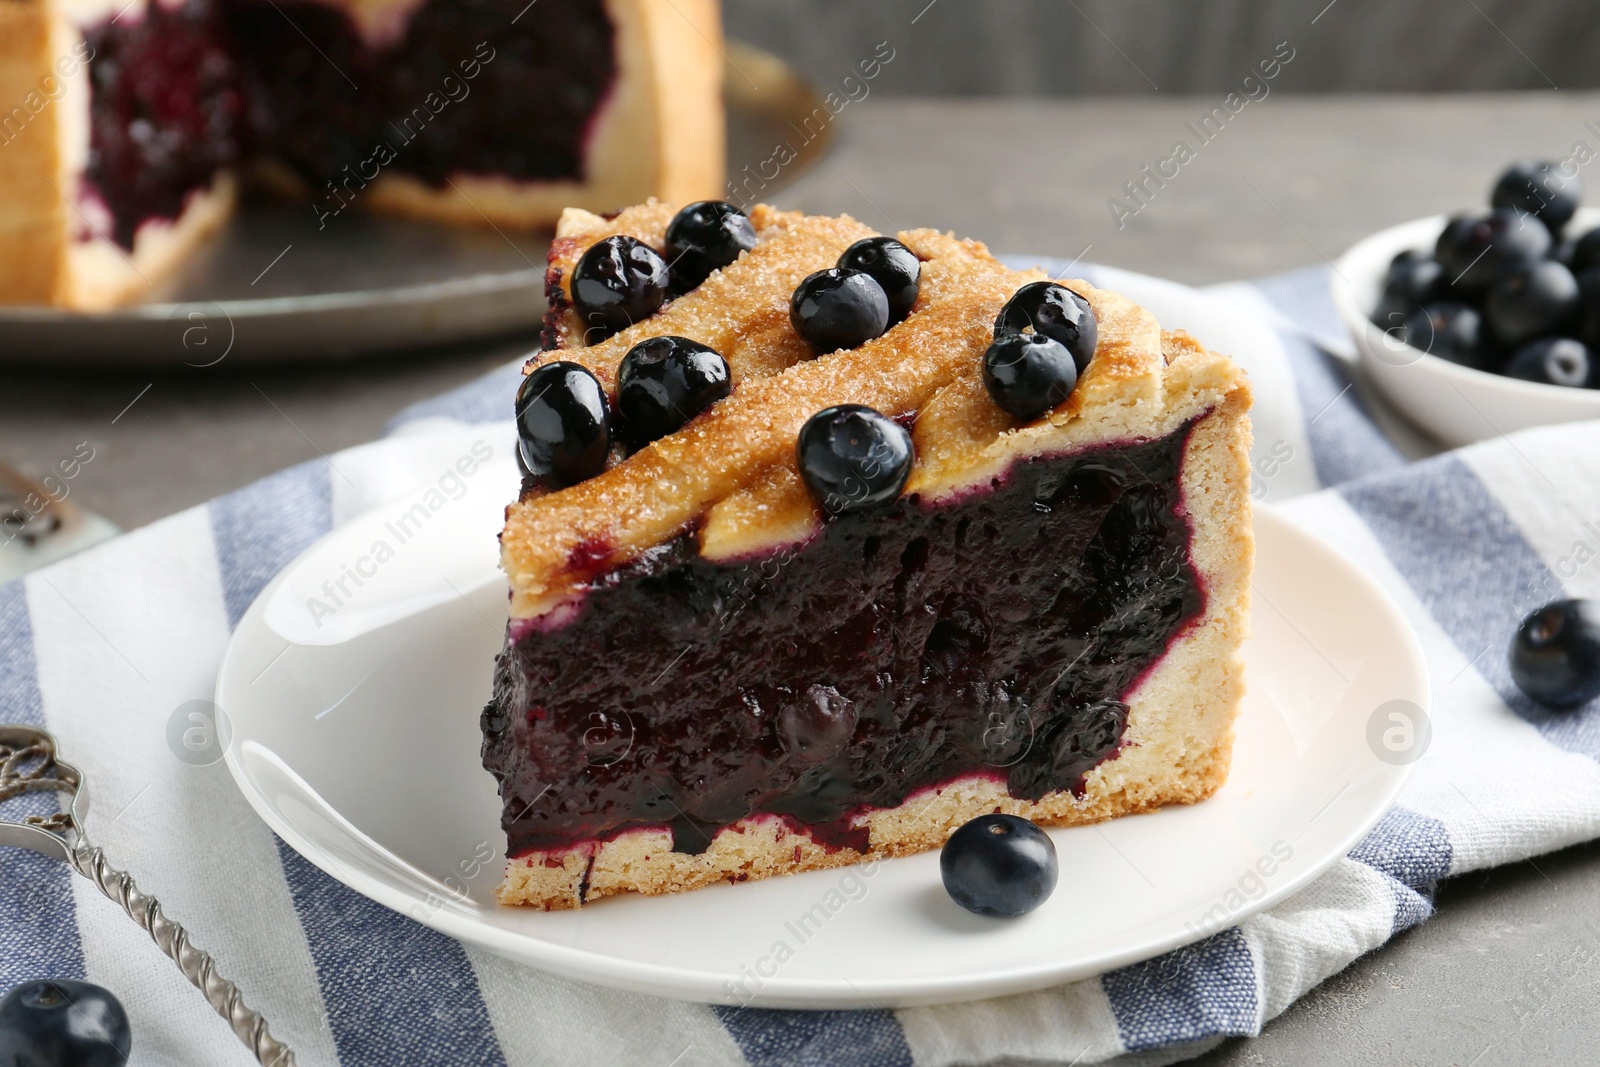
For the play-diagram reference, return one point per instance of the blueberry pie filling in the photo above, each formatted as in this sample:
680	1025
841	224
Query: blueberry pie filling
181	92
870	570
165	112
997	635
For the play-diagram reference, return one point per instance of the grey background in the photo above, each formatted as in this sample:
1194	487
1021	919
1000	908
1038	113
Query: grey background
1104	47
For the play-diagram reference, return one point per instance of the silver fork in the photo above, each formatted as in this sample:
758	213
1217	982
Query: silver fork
29	764
39	527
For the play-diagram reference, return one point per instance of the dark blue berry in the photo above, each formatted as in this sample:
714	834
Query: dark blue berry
1474	250
1588	325
999	865
818	725
1538	188
1554	361
1411	283
853	459
1054	311
834	309
664	382
55	1022
1027	374
704	237
1532	301
895	268
619	281
1555	656
1585	252
1451	331
1404	257
563	424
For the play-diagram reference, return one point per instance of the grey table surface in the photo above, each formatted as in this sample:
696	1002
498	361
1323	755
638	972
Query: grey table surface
1503	973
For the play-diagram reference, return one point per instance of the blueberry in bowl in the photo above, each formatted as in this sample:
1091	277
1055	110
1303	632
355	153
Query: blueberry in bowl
1476	249
1412	282
1541	189
1535	300
1452	332
1554	361
1587	329
1584	252
1486	321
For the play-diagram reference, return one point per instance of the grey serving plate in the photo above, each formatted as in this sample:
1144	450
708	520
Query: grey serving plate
271	288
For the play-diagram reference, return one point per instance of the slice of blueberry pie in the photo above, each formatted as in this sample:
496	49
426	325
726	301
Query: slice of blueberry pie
830	541
124	122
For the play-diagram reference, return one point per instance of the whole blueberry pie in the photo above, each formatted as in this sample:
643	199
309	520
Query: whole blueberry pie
129	120
844	540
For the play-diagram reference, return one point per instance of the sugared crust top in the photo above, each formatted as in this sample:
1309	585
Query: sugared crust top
789	243
732	471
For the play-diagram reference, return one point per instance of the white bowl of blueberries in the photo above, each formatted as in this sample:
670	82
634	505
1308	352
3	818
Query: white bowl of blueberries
1477	325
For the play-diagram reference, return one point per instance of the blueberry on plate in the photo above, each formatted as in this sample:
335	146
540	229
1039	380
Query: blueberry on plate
1451	331
1555	655
1056	312
1539	188
619	281
55	1022
834	309
1476	249
893	266
1532	301
563	424
1554	361
853	458
1409	285
704	237
664	382
999	865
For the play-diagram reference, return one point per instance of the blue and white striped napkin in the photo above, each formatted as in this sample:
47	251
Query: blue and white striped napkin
104	648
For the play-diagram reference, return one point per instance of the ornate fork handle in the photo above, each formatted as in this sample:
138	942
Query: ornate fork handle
29	764
173	939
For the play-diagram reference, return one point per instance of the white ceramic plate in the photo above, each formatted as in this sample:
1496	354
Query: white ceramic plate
357	742
1457	404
